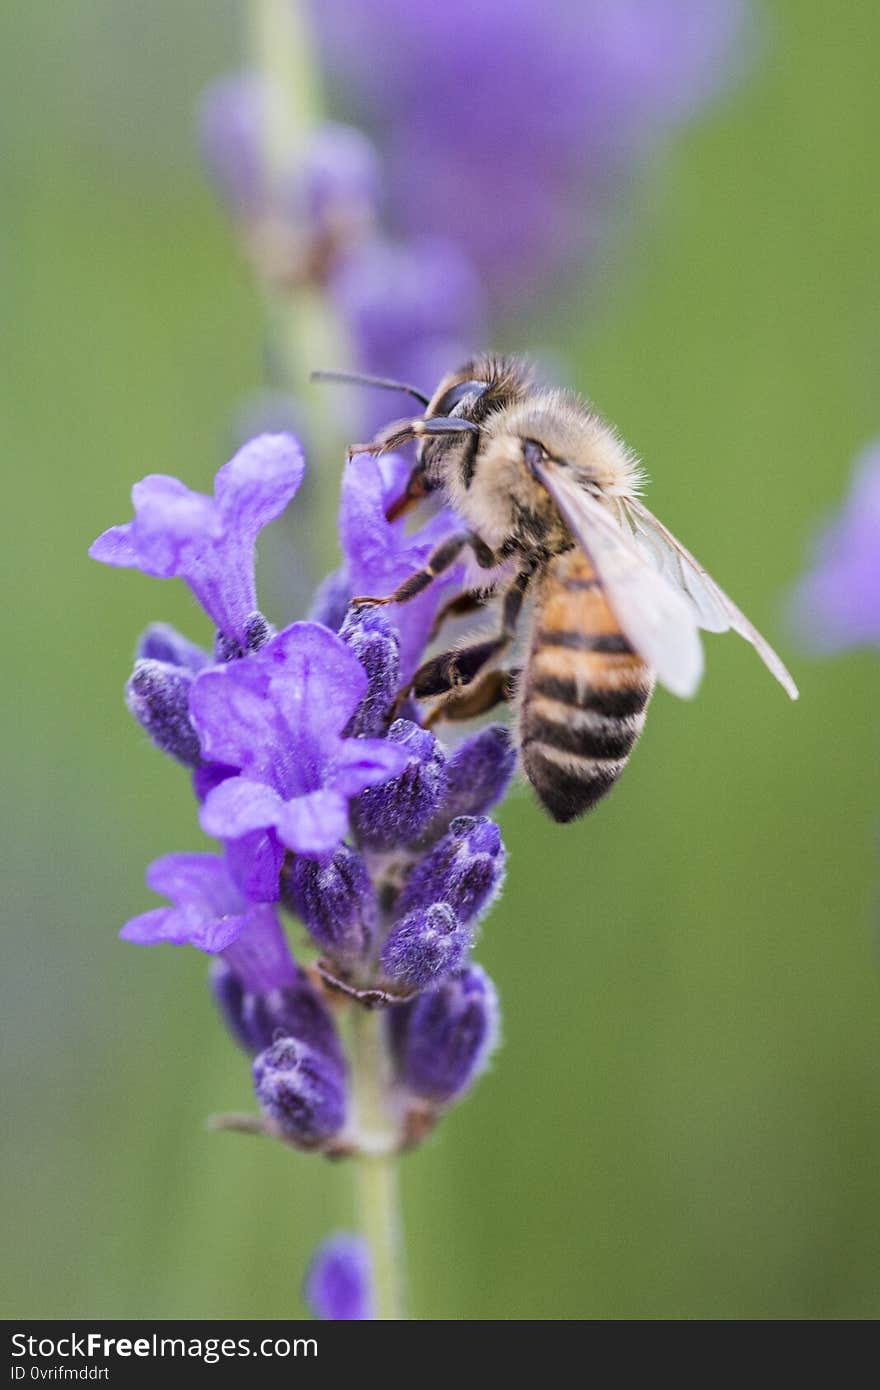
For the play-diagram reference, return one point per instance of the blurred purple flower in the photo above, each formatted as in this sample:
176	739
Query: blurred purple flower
378	554
210	541
338	1284
837	603
542	110
412	311
279	717
323	201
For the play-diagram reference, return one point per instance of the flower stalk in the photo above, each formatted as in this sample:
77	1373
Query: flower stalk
376	1165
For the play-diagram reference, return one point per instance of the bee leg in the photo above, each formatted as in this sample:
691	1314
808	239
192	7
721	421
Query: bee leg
403	431
471	601
443	558
495	687
455	669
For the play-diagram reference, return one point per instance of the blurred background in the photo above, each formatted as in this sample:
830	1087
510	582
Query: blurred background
684	1119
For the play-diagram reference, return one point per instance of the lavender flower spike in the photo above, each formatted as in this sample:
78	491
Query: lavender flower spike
338	1284
209	541
280	718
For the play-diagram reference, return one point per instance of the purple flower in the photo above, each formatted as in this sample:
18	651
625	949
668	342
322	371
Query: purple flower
279	717
837	603
210	541
210	912
338	1284
380	554
542	110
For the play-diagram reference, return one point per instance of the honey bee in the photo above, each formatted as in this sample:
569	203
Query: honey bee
547	489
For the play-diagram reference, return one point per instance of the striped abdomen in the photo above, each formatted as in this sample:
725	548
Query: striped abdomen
584	692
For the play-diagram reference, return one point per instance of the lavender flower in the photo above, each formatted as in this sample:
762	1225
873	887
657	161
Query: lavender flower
280	718
338	1284
542	110
298	218
837	603
208	911
209	541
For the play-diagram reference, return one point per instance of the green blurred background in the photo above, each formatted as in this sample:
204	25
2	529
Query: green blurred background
684	1120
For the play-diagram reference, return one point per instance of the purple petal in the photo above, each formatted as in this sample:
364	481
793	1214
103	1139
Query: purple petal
257	484
183	927
236	724
171	522
238	806
314	824
260	955
116	547
364	762
316	679
255	861
194	880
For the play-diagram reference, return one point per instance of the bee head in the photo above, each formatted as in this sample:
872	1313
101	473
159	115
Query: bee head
481	386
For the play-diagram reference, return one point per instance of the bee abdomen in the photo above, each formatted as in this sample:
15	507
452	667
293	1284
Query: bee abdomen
584	694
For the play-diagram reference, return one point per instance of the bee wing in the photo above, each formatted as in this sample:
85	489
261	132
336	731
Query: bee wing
653	614
715	611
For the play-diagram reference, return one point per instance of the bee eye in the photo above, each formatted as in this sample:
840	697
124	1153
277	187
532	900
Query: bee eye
456	394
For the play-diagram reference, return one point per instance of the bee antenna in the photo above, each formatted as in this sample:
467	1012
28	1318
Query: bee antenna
361	379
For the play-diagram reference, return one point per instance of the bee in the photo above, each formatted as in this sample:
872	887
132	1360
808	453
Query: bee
547	489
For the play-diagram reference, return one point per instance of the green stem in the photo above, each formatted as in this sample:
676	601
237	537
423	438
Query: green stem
377	1186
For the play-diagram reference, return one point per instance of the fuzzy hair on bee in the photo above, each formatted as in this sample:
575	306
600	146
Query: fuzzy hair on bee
547	490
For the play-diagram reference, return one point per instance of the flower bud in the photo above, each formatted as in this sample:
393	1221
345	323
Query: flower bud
336	901
338	1284
477	775
465	870
396	812
257	1018
377	647
302	1090
424	946
256	635
162	642
448	1036
158	696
